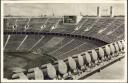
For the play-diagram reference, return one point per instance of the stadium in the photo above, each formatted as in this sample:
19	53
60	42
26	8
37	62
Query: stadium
62	47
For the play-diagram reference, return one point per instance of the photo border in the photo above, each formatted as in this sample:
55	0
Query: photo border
64	1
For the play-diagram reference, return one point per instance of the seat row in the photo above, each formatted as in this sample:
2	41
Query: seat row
72	67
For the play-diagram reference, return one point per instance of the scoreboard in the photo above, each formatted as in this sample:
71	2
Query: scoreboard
71	19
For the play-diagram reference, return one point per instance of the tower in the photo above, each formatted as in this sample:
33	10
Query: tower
98	11
111	11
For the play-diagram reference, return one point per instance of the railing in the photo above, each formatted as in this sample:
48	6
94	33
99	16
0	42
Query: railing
78	66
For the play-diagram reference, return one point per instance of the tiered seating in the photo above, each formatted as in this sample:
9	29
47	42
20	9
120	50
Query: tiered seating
67	28
21	24
116	33
35	24
108	23
73	47
9	23
88	22
13	42
100	24
51	22
5	38
78	49
117	25
74	43
65	47
120	37
30	41
58	46
77	66
63	28
42	42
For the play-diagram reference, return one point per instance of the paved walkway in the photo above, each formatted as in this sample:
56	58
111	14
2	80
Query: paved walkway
114	71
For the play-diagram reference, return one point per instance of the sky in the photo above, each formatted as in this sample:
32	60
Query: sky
68	0
60	9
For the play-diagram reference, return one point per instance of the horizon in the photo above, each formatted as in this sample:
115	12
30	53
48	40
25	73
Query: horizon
61	9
